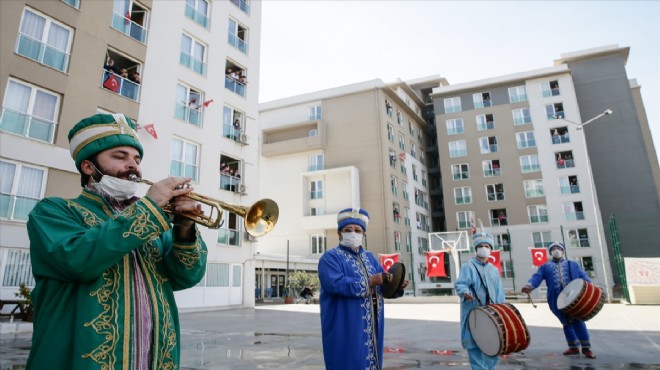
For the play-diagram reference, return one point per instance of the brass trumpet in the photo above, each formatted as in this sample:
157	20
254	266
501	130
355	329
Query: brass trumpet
258	219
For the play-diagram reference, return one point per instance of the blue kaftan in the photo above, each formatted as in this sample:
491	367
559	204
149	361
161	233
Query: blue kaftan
557	274
352	322
469	281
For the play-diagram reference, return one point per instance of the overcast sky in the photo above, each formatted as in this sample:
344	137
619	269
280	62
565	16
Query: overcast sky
312	45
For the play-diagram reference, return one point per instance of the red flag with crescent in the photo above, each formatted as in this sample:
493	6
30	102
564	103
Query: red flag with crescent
387	260
402	156
435	264
539	256
495	260
206	103
151	130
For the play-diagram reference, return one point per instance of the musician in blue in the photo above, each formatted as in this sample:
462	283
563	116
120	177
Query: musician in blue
557	273
478	284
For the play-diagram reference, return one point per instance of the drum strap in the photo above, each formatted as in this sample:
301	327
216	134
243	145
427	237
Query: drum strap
482	283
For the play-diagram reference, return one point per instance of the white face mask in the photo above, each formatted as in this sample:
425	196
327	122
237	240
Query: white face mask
117	188
351	240
483	252
557	253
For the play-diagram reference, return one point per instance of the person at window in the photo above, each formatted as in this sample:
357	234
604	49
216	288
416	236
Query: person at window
110	66
135	77
123	73
478	284
106	264
557	273
352	310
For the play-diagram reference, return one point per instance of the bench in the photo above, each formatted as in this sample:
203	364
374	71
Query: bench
18	306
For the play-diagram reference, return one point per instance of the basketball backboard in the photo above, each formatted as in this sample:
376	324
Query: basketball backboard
449	241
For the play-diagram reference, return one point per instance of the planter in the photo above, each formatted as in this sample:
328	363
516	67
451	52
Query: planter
288	300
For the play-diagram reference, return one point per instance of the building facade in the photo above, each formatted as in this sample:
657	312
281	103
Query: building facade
63	60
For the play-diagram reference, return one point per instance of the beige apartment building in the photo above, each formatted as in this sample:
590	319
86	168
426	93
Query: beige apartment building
54	70
360	145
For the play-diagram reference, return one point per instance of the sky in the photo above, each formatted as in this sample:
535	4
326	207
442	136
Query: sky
312	45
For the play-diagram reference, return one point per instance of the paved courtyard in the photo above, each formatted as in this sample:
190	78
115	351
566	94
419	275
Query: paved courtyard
417	336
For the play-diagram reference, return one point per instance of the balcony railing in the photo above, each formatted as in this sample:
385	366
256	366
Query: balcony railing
495	196
231	132
560	139
488	125
571	189
534	193
575	216
495	221
191	115
242	4
493	172
531	168
460	200
42	53
582	243
229	236
181	169
27	125
124	86
198	17
236	42
193	63
230	183
538	219
129	28
235	86
565	163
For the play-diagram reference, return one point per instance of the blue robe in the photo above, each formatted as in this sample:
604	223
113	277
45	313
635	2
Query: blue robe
469	281
575	330
352	321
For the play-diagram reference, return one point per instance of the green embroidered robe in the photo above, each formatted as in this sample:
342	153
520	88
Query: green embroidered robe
84	267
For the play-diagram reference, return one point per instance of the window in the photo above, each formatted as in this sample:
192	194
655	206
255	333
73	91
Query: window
550	88
481	100
534	188
17	267
404	186
395	184
124	81
564	160
399	118
388	108
411	128
560	135
396	213
422	223
413	149
457	149
525	139
537	214
315	113
244	5
130	19
587	264
578	238
198	11
488	144
498	217
233	123
316	162
402	141
397	241
460	171
495	192
230	229
230	177
455	126
44	40
502	242
485	122
392	158
452	105
554	111
422	158
184	159
406	216
235	78
423	176
30	111
316	189
318	244
192	54
541	239
569	185
316	211
507	269
21	187
217	274
521	117
188	106
72	3
464	219
573	211
237	36
529	163
390	133
312	133
463	195
517	94
491	168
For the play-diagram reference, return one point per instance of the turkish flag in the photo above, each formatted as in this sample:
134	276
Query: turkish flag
474	228
127	17
495	260
402	156
435	264
111	83
206	103
151	130
387	260
539	256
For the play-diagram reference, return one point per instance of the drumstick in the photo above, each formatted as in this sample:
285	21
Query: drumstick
529	297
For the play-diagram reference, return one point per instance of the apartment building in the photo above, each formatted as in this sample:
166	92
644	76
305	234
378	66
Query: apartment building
514	159
61	60
360	145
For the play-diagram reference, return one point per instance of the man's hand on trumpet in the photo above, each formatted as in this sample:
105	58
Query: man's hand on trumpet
166	190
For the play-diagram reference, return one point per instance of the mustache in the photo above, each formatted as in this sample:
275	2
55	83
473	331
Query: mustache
127	174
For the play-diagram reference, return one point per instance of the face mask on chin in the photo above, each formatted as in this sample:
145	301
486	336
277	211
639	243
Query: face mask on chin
351	240
115	187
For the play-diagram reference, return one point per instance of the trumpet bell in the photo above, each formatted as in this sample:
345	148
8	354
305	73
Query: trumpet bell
261	217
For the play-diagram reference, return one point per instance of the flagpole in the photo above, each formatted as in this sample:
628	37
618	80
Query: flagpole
561	227
508	235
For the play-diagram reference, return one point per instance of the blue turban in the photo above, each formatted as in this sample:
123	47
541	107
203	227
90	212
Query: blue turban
352	216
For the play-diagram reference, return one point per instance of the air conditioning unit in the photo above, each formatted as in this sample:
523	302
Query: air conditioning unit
243	138
241	188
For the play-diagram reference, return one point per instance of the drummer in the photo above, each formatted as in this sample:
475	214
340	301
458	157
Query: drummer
557	273
479	284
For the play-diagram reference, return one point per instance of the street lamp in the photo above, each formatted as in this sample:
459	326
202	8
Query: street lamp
606	112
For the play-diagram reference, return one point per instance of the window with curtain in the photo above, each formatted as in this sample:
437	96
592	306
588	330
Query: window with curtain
184	159
16	266
44	40
192	54
188	105
21	187
217	274
237	36
198	11
29	111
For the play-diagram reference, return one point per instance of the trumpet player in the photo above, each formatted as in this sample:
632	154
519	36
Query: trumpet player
107	263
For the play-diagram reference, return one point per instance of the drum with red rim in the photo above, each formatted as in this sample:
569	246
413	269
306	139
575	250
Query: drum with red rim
498	329
581	300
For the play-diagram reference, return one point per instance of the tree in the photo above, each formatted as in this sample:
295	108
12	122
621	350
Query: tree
299	279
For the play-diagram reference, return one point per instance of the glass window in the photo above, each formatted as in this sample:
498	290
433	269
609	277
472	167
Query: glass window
17	267
230	230
44	40
529	163
130	18
464	218
495	192
521	117
192	54
460	171
395	184
188	105
488	144
244	5
237	36
534	188
578	238
184	159
396	212
217	274
316	162
388	108
550	88
30	111
73	3
481	100
463	195
316	189
315	113
452	105
554	111
390	133
485	122
457	148
541	239
233	124
525	139
399	118
318	244
404	186
21	187
491	168
198	11
402	141
517	94
537	214
573	211
397	241
455	126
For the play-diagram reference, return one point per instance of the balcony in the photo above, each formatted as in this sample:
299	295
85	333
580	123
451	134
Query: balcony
236	42
565	163
560	139
191	115
120	85
129	28
538	219
42	53
27	125
572	189
231	183
293	139
575	216
234	86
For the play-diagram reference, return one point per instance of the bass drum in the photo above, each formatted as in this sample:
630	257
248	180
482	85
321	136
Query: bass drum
498	329
580	300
